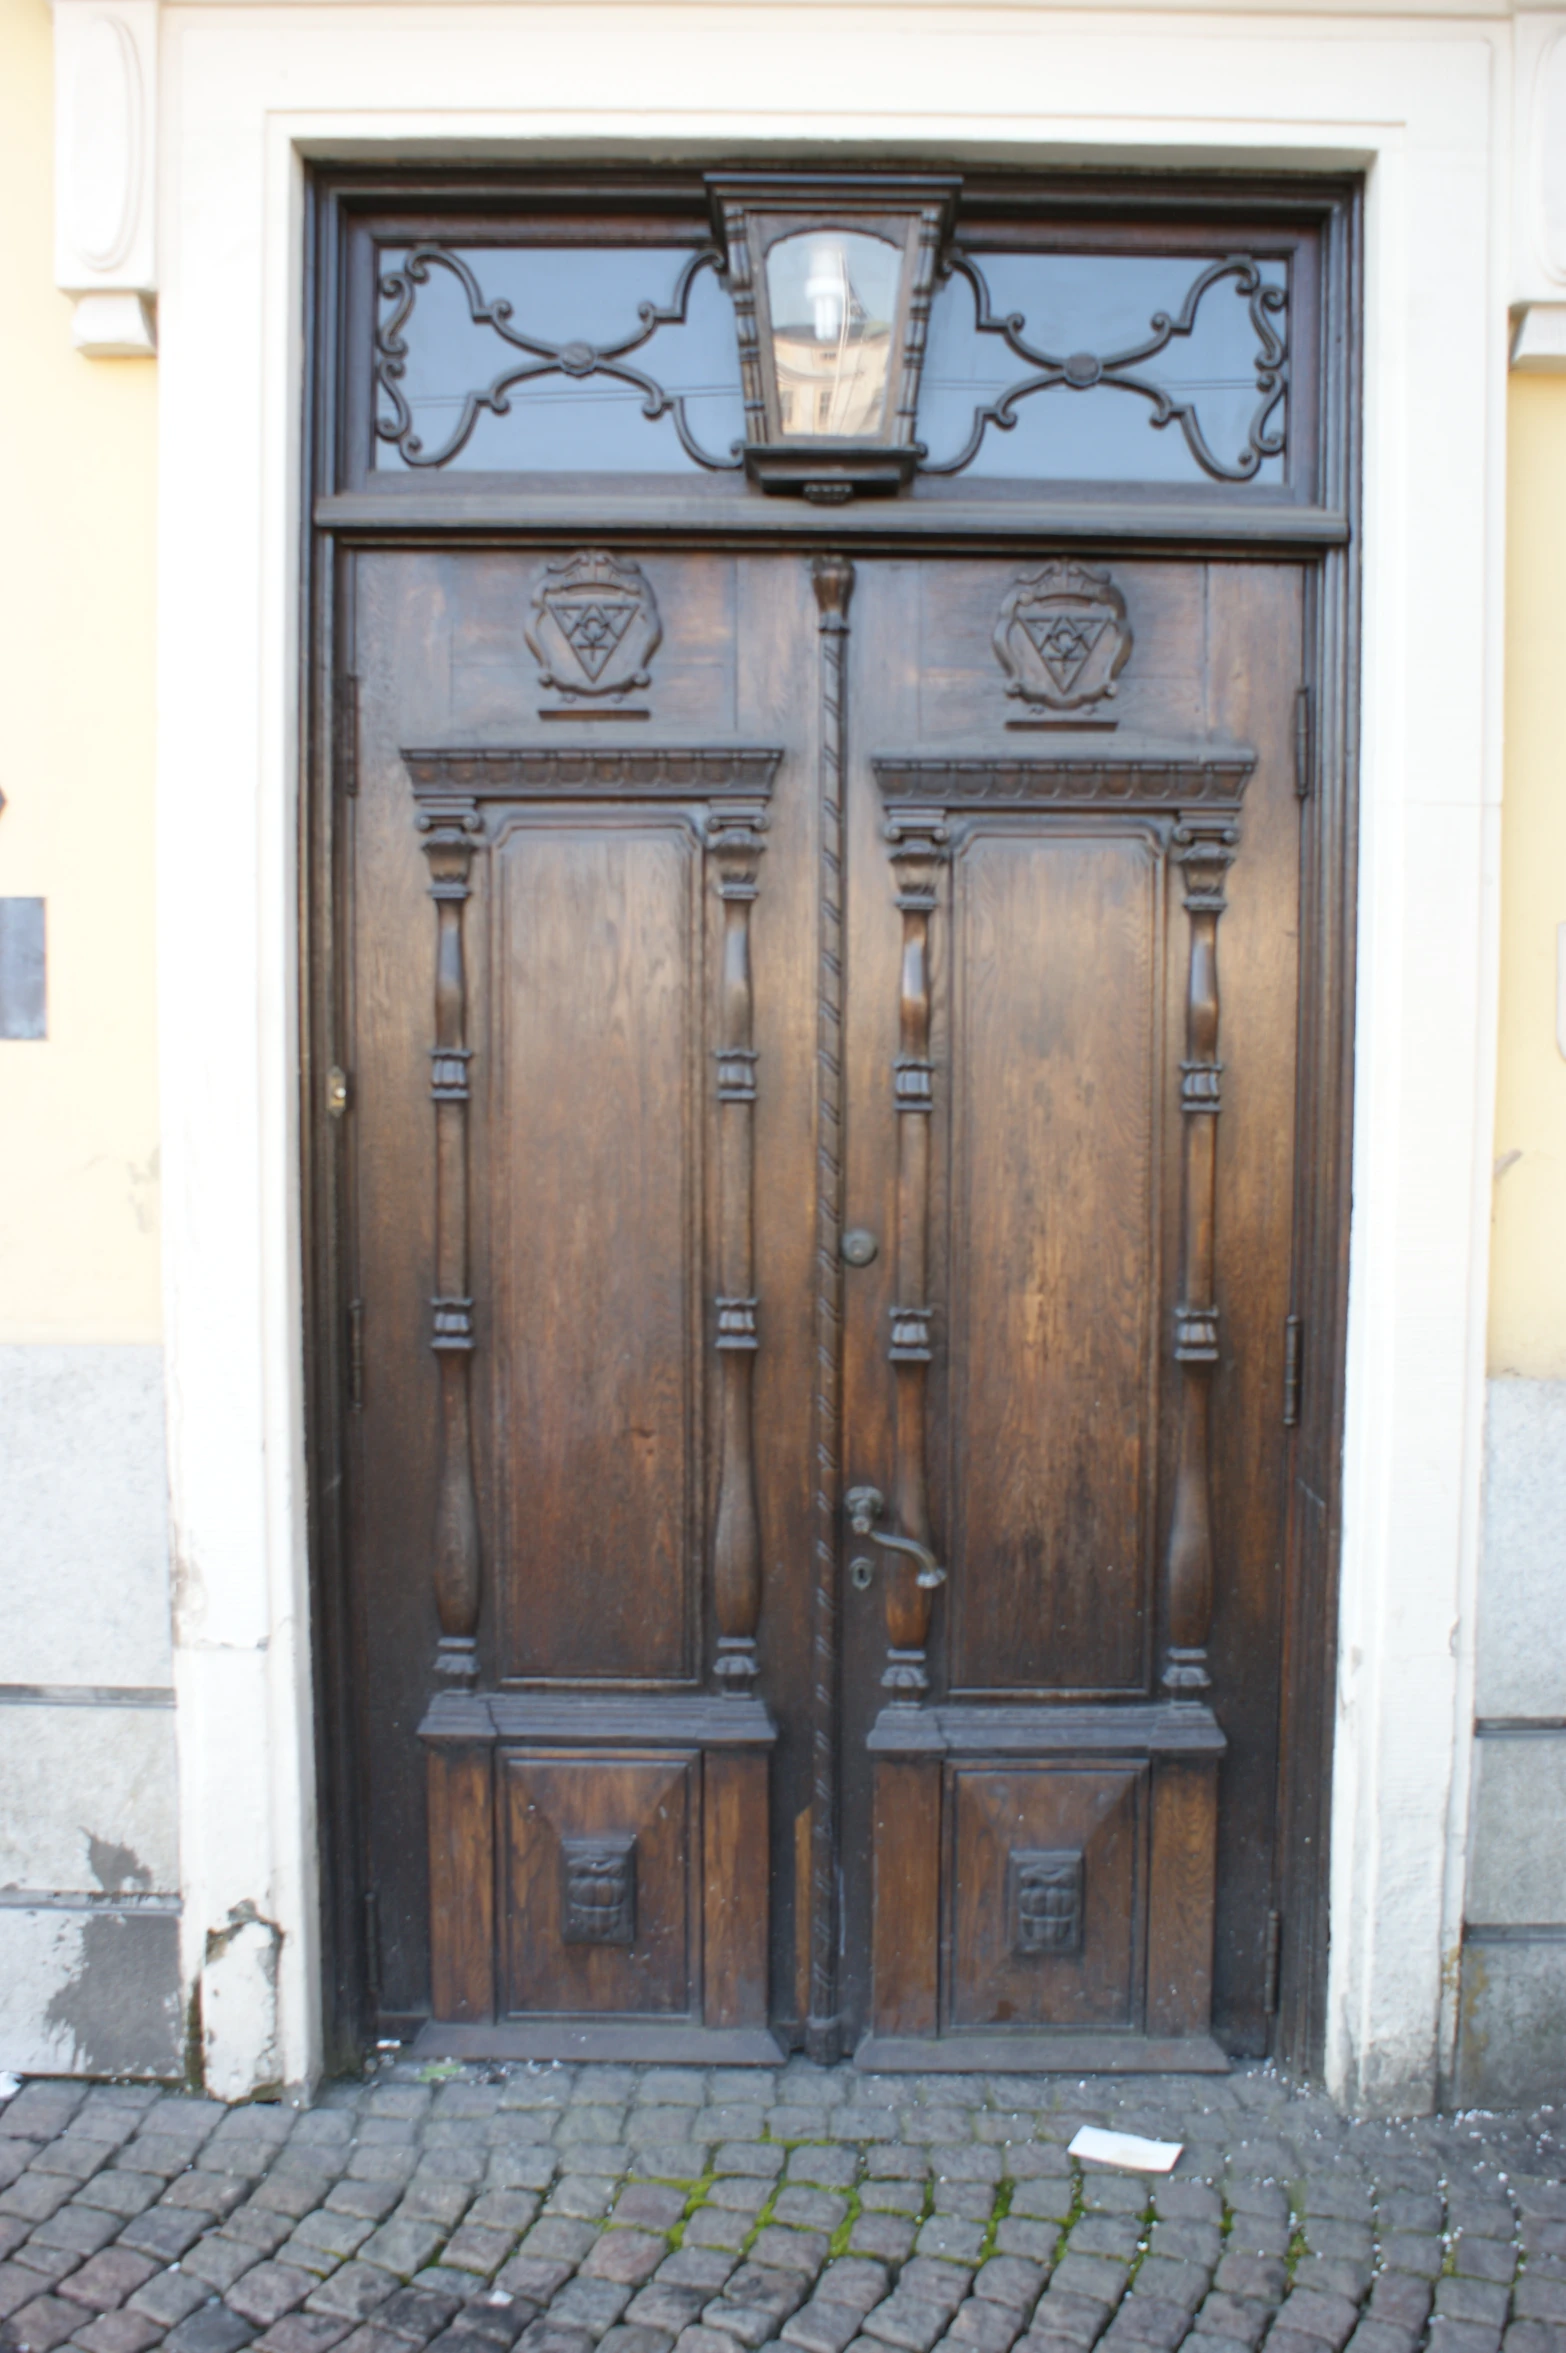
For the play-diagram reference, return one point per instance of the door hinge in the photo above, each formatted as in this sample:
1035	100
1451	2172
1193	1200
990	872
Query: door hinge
345	731
337	1091
372	1944
1274	1948
1304	741
1293	1364
356	1354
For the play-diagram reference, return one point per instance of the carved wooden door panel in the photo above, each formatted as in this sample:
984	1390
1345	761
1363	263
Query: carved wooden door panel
1073	804
584	1242
818	1259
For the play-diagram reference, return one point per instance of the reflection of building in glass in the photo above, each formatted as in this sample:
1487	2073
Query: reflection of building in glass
833	387
831	357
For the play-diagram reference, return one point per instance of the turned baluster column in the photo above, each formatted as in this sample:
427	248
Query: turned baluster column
734	840
918	846
450	841
1205	847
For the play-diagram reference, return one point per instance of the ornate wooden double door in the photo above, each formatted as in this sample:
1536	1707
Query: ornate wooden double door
820	1211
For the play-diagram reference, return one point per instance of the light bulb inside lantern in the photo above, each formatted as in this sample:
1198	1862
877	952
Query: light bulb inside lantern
826	289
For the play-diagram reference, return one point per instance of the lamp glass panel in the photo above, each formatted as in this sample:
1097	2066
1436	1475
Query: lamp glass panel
832	295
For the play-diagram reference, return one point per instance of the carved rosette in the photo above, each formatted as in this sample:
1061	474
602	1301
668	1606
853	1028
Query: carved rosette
451	831
1204	845
734	843
1062	636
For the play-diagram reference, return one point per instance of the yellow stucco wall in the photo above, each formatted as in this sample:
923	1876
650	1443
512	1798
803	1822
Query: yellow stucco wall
1528	1267
79	1238
78	1111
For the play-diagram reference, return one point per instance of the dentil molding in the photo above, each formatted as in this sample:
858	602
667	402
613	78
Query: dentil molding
1539	192
105	172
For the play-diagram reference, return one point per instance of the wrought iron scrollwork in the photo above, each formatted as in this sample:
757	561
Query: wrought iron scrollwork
577	360
1083	371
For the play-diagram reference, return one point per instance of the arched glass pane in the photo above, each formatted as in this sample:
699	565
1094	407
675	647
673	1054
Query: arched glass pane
832	294
531	384
1133	370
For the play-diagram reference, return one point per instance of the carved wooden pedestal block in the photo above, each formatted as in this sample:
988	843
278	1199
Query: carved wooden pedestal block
598	1877
1044	1887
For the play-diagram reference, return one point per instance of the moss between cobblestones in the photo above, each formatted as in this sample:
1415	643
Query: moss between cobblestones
1296	2246
1074	2214
838	2243
696	2195
998	2214
762	2219
1140	2257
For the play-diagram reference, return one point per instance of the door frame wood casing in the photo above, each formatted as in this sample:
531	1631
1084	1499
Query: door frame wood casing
1322	537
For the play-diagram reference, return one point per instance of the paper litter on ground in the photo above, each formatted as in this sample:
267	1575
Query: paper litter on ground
1127	2149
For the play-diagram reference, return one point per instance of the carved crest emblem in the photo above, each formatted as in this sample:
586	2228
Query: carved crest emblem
1044	1899
1062	636
599	1904
594	627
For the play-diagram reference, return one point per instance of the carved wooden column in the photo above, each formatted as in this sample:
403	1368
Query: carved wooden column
450	840
832	577
918	846
1205	847
734	839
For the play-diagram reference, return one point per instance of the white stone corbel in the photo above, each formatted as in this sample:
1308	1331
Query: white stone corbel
1538	273
105	172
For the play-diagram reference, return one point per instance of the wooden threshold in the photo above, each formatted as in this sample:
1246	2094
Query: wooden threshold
1041	2054
625	2040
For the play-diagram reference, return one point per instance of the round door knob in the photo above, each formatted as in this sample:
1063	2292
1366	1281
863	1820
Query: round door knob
859	1246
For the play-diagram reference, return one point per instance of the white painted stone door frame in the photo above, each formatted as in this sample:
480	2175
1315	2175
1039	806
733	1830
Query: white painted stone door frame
248	92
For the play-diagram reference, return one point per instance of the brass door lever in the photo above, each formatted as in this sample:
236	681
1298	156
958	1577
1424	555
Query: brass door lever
864	1506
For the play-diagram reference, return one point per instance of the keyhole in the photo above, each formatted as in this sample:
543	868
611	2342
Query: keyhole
860	1572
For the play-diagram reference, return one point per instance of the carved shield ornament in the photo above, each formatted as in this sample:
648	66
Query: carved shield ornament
1062	636
594	626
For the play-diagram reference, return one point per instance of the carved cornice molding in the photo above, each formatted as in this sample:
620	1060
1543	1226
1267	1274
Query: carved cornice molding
562	772
105	174
1076	772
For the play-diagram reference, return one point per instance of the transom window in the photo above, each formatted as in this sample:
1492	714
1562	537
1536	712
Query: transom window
1174	354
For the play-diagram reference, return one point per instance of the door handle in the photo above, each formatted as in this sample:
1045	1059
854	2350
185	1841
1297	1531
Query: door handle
864	1506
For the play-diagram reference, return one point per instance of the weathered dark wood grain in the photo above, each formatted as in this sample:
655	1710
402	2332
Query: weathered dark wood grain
634	1499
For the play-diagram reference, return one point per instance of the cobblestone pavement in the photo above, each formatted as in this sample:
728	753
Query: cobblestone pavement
672	2210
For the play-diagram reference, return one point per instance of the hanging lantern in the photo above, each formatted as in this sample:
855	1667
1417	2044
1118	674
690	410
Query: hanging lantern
831	281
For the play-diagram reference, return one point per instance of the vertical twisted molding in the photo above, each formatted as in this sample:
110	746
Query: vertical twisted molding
918	841
833	580
734	840
450	840
1205	847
